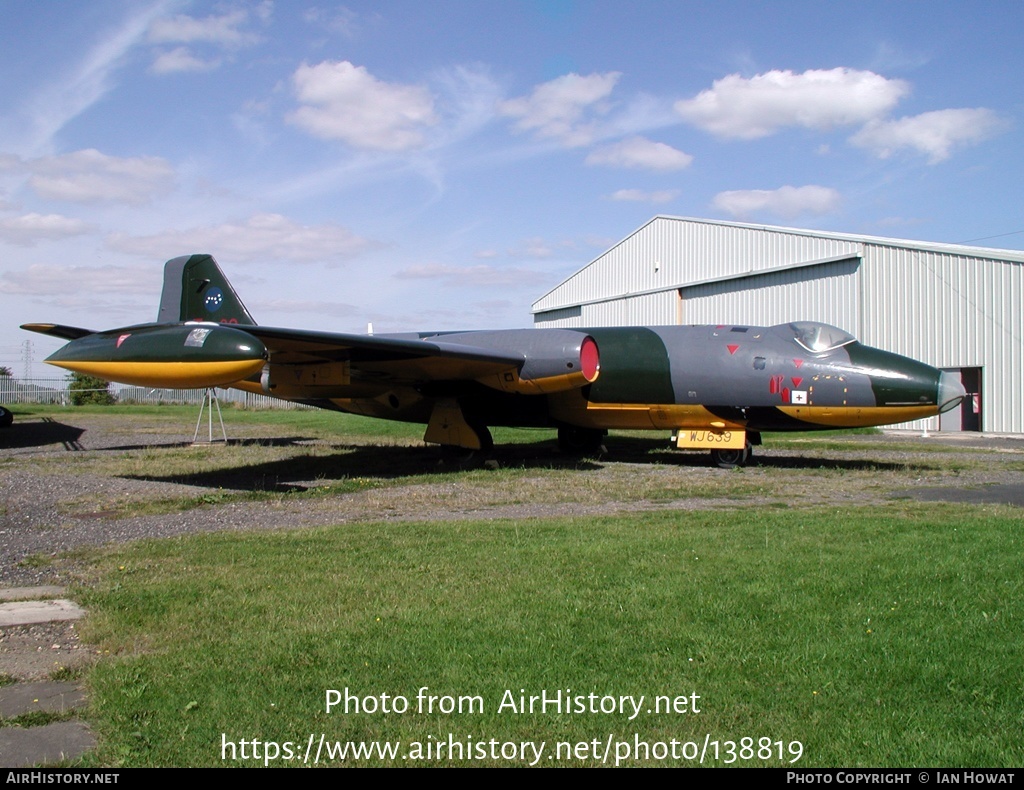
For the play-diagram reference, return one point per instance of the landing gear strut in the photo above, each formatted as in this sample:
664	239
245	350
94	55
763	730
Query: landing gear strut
580	441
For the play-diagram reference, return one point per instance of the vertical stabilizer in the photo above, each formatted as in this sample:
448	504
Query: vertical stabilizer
195	289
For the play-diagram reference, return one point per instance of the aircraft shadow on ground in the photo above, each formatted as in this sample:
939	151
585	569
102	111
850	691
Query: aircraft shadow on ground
280	441
389	462
39	433
636	450
840	464
361	462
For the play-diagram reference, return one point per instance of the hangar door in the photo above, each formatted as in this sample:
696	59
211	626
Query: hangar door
967	417
825	291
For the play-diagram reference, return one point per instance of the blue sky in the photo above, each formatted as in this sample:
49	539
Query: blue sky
442	165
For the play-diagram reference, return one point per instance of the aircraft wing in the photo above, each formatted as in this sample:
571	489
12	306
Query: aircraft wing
299	363
384	358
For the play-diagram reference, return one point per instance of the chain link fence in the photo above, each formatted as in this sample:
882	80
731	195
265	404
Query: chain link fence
55	391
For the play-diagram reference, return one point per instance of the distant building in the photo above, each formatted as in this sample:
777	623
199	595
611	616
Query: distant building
952	306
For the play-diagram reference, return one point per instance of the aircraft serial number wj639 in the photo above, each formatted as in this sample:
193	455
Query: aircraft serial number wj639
714	387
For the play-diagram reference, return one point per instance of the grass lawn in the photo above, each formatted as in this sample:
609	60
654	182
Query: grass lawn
854	635
872	637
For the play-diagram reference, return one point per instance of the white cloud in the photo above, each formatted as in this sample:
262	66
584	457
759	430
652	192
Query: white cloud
642	153
81	87
638	195
41	279
303	306
28	229
534	247
557	108
345	102
600	242
337	20
89	176
935	134
180	60
263	238
474	276
223	30
787	201
467	97
818	99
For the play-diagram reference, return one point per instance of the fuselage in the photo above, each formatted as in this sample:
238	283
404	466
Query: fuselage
798	376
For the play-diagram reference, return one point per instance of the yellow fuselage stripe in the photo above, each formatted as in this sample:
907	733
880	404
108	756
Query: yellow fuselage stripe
172	375
858	416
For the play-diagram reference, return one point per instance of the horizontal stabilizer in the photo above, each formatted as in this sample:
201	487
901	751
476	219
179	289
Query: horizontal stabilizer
59	330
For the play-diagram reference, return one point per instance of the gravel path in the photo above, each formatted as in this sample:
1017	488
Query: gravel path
48	508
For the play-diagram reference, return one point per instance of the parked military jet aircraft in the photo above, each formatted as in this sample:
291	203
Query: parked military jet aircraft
714	387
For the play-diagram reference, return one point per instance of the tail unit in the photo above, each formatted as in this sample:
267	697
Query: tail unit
195	289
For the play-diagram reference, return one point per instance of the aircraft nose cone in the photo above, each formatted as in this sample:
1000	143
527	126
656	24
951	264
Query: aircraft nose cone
951	391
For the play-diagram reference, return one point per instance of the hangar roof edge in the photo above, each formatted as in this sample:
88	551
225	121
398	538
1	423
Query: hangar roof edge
992	253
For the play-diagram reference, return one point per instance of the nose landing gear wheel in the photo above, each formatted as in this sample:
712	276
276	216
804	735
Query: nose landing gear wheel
730	459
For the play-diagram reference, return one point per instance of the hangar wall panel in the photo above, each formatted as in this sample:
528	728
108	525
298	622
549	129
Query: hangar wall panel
952	311
670	252
827	293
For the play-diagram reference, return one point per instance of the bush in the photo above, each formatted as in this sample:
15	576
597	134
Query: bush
86	390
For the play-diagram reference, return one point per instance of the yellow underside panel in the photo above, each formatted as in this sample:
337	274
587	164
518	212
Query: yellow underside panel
172	375
858	417
575	410
249	386
639	416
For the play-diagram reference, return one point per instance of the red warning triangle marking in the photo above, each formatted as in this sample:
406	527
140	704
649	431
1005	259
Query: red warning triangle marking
122	338
798	362
732	348
797	380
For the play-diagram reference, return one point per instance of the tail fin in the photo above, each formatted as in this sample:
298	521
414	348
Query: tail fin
195	289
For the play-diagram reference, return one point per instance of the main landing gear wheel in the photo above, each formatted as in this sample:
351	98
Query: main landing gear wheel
580	441
467	457
730	459
6	417
460	457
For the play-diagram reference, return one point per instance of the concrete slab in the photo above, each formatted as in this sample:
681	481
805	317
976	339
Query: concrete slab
64	740
30	593
1000	494
47	696
32	612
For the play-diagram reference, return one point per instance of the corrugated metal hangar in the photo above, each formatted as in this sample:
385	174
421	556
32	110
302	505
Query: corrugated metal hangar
952	306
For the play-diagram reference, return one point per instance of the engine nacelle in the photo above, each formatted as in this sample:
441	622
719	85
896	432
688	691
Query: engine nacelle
554	360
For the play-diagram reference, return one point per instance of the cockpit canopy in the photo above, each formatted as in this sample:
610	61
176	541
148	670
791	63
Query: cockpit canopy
819	338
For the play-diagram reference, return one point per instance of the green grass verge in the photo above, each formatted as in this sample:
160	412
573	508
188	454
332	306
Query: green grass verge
873	637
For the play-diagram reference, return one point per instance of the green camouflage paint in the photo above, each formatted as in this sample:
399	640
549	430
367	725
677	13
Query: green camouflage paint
916	383
634	367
